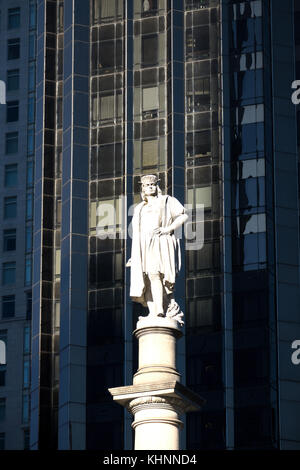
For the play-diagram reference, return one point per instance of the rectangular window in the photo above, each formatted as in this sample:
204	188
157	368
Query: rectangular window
8	306
249	114
25	410
2	441
149	153
107	10
10	207
11	142
149	50
106	107
28	271
12	82
31	46
26	373
28	239
251	168
9	239
26	346
200	196
31	77
150	100
249	61
28	305
13	49
10	175
247	10
2	409
29	206
14	18
12	111
31	103
9	273
30	141
252	223
29	179
32	16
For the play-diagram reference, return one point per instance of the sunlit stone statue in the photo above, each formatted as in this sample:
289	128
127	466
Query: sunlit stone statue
155	255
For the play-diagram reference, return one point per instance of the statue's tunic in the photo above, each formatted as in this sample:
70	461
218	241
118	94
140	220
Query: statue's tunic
152	254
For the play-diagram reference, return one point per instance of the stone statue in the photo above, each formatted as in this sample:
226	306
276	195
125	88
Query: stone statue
155	255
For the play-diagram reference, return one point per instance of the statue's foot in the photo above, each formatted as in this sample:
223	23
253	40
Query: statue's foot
155	315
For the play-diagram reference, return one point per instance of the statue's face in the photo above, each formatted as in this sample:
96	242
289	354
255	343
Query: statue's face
150	189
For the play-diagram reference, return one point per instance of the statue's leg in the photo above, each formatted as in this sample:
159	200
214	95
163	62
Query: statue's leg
148	296
157	294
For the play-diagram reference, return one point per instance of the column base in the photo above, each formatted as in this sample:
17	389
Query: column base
157	408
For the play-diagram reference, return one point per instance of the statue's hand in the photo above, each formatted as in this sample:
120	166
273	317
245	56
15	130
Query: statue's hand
161	231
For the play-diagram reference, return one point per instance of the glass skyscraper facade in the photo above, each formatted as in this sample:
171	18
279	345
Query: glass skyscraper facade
197	92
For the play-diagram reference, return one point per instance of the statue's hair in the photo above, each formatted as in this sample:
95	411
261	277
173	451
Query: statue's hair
143	196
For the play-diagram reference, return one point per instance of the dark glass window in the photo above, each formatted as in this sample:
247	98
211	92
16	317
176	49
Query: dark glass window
149	7
25	411
110	55
249	251
31	109
199	143
31	46
249	193
248	138
28	265
11	175
8	306
11	142
10	207
197	42
107	10
31	77
248	85
29	206
149	50
247	33
28	305
9	239
253	426
12	111
9	273
14	18
29	181
26	373
30	141
12	82
32	16
13	49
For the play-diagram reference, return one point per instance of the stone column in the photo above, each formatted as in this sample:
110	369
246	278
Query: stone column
157	398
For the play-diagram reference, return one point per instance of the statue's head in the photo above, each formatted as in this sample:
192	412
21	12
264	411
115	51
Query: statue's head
149	186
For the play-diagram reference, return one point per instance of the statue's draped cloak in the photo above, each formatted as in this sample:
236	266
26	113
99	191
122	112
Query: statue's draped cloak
163	252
